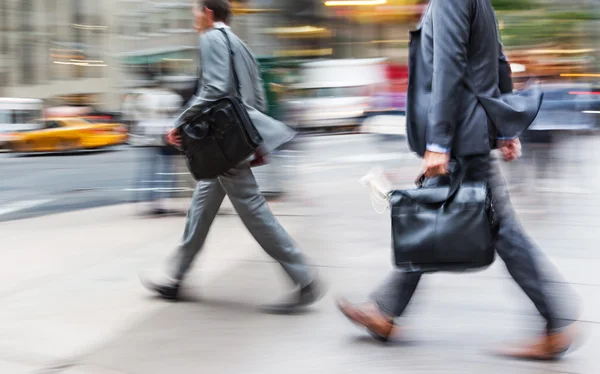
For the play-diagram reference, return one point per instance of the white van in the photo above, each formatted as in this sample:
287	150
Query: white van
18	115
335	92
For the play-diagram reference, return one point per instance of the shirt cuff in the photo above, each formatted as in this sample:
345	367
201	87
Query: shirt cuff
437	148
506	137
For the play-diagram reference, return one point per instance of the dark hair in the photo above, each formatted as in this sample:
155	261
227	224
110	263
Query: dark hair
220	8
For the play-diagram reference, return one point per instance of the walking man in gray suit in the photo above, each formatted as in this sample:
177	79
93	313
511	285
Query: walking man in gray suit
239	183
461	105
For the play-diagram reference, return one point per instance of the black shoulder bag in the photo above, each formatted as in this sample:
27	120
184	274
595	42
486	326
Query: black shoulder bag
219	135
445	228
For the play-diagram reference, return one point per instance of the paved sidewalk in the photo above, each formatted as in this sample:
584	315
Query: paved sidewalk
72	303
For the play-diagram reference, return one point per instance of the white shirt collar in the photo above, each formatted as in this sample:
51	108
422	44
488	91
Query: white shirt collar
220	25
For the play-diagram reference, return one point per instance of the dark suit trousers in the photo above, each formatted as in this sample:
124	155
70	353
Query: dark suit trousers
517	250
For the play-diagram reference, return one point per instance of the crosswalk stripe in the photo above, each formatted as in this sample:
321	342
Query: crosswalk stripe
21	205
174	189
373	157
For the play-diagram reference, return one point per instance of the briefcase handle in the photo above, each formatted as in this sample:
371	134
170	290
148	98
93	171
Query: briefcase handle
456	179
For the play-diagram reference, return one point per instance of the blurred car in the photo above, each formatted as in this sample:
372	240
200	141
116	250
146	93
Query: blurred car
568	107
386	115
67	134
17	114
390	126
334	93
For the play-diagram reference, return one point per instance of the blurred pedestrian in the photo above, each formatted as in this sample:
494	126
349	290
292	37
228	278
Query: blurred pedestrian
131	112
159	166
156	177
455	111
239	183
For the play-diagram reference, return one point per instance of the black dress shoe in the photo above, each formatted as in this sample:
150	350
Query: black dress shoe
303	297
168	291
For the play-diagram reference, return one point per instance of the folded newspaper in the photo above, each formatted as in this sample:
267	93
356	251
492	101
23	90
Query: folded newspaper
380	187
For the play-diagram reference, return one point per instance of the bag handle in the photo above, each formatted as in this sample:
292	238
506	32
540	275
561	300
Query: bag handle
236	80
456	179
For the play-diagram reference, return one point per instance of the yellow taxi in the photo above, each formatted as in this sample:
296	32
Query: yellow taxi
67	134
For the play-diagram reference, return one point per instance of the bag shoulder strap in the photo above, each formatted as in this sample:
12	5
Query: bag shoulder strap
236	80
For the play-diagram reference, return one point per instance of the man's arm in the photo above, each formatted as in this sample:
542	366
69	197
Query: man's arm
451	31
216	68
505	82
190	100
216	80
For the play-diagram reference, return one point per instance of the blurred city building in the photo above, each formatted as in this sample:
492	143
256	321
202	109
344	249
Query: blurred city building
94	52
157	45
57	50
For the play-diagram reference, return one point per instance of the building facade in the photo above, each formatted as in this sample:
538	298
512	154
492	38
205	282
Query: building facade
90	52
157	44
57	50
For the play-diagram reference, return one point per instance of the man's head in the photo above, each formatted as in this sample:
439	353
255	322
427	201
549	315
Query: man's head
207	12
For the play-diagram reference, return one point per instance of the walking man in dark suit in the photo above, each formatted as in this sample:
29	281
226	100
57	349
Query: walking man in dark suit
460	105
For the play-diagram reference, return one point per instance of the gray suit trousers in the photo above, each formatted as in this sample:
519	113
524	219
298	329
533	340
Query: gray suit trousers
517	250
243	191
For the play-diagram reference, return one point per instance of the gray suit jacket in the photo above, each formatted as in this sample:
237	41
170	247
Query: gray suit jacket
216	81
459	92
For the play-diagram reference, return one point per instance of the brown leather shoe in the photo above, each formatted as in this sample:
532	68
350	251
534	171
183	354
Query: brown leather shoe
379	325
547	347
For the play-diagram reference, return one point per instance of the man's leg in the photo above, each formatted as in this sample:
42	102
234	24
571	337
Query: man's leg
145	174
153	169
158	179
394	294
518	251
388	301
243	191
169	170
523	259
205	204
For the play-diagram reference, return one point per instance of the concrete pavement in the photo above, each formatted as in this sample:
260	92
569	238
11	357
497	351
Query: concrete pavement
72	302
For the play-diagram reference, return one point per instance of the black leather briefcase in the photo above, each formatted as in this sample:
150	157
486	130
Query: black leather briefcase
220	135
444	228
